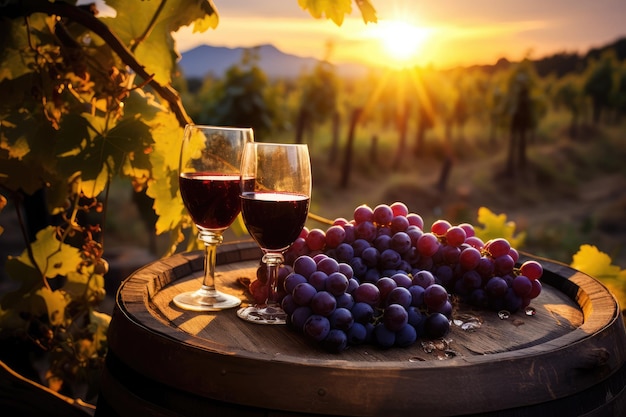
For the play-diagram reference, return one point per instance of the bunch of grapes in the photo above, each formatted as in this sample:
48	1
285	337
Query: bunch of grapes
388	249
329	305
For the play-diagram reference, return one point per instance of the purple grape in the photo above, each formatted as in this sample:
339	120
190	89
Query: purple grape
423	278
385	285
365	230
512	301
416	319
504	264
299	317
352	284
399	223
417	295
337	283
371	275
370	257
345	300
328	265
341	319
522	285
390	259
334	236
318	280
357	334
469	258
395	317
384	337
350	235
323	303
346	269
304	265
288	305
316	327
336	341
359	245
406	336
435	297
436	326
428	244
400	242
479	298
303	293
358	266
367	293
496	287
402	279
362	312
382	242
292	280
344	252
400	296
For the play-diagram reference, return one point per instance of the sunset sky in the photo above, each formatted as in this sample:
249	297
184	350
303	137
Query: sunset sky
443	33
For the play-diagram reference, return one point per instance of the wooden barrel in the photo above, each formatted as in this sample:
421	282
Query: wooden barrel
566	360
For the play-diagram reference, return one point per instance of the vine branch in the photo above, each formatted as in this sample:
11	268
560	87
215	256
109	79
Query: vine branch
88	20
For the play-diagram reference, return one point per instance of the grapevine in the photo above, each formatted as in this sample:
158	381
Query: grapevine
383	278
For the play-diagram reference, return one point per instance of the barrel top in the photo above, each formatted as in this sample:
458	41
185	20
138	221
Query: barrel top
573	315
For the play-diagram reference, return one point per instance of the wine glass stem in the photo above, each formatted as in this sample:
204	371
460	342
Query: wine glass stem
273	260
211	242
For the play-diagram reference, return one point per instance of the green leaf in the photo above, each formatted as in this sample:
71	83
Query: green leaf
51	256
496	226
156	52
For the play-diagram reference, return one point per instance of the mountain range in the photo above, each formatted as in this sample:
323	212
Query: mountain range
204	60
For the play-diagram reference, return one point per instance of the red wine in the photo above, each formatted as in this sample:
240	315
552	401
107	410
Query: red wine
274	220
212	200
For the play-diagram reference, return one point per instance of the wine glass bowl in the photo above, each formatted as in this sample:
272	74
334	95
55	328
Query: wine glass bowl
275	197
210	183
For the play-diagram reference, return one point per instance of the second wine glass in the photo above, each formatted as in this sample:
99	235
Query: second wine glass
275	198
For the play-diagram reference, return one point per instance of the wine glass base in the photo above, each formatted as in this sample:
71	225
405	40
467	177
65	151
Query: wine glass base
197	301
262	315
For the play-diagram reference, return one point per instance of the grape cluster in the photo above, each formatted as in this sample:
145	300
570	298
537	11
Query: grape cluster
329	305
386	252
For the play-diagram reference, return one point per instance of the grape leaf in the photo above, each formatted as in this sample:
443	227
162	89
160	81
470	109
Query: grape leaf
98	326
597	264
163	187
55	303
334	10
496	226
156	51
51	256
367	11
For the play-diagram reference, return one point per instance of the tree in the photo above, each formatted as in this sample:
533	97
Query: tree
86	99
599	84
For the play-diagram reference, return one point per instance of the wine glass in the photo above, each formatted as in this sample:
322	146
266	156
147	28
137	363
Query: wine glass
209	180
275	196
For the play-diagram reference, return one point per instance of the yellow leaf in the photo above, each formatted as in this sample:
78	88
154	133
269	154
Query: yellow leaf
593	262
497	226
207	22
52	256
55	303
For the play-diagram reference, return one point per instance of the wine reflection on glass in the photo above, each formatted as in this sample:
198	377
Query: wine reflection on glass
210	184
275	197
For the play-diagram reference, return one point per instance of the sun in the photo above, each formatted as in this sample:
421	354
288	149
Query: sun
401	41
